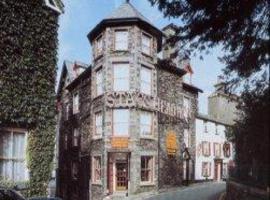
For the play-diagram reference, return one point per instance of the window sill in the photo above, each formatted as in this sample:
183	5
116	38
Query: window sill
121	51
97	183
97	138
147	137
147	184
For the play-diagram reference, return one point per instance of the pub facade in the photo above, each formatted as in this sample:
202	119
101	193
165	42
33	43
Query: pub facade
126	123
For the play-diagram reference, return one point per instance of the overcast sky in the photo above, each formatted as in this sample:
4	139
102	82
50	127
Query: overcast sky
81	16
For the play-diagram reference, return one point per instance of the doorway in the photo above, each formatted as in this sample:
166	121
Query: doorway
218	170
121	176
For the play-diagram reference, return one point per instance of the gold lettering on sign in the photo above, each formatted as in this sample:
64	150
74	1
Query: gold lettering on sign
119	142
171	143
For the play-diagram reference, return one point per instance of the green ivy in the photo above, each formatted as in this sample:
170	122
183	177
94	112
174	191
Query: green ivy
28	52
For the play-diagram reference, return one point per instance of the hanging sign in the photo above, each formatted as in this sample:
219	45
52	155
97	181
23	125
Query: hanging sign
171	143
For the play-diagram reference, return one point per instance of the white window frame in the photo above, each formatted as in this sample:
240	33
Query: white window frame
99	81
152	168
95	178
121	44
142	124
11	157
67	111
96	134
217	149
126	77
146	82
54	7
116	122
145	46
75	137
208	168
187	106
76	103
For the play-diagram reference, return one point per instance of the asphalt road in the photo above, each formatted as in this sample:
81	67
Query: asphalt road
206	191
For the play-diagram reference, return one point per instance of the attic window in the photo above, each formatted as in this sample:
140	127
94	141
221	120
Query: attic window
53	5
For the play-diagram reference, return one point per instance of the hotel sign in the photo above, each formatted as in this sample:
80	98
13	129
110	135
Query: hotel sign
171	143
119	142
139	100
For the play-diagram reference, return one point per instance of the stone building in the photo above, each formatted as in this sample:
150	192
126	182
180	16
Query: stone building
214	153
127	122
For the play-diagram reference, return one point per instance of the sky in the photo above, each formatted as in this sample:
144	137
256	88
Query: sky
81	16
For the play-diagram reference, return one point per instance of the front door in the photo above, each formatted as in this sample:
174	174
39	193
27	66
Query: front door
218	170
121	175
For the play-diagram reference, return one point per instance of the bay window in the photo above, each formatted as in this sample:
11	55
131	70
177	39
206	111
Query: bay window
121	40
99	82
121	122
147	169
12	155
146	123
99	46
98	124
146	80
146	44
121	77
96	169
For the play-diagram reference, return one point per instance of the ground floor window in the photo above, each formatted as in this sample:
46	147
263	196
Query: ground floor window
96	169
225	170
147	169
12	155
206	169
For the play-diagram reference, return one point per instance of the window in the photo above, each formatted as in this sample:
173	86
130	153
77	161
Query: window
121	77
99	82
12	155
98	124
227	149
74	171
146	80
121	40
206	149
186	107
186	138
147	169
53	5
65	141
99	46
146	44
76	135
67	111
75	103
205	126
146	123
121	122
217	149
206	169
96	169
217	129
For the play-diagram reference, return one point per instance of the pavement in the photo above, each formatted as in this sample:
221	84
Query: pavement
205	191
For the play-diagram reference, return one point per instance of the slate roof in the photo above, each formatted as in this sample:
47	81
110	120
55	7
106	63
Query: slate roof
126	10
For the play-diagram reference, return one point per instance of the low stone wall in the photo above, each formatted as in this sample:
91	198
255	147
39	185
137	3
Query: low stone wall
239	191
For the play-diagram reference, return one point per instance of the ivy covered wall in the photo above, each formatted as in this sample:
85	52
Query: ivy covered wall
28	52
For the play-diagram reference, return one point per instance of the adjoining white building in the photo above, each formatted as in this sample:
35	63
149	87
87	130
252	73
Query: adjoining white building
213	151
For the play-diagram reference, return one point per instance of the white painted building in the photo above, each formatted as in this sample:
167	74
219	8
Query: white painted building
213	151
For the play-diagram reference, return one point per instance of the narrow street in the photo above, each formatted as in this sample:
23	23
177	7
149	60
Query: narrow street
206	191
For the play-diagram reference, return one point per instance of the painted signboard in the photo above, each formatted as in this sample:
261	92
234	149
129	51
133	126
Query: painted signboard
119	142
171	143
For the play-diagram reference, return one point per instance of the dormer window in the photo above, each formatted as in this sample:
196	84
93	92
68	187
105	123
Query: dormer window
146	44
53	5
121	40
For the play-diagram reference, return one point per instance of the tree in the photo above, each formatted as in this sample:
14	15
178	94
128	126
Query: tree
241	27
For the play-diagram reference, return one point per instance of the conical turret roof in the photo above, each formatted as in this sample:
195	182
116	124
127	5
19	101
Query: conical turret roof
126	14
